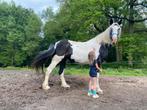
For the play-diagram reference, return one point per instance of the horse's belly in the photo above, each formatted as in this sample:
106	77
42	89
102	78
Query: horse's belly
81	50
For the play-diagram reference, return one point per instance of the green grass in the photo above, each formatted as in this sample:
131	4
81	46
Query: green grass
108	72
84	71
124	72
15	68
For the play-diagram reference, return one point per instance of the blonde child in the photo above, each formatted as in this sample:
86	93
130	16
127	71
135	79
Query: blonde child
94	68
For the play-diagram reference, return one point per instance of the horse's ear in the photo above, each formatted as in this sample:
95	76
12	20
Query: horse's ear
119	22
111	21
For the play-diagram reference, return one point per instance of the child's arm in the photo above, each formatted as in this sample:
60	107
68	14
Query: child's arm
97	66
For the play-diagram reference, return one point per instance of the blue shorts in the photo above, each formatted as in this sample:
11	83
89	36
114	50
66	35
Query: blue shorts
93	73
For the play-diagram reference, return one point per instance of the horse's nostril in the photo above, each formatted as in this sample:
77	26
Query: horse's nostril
114	40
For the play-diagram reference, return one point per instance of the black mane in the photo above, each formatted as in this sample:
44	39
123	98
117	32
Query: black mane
103	52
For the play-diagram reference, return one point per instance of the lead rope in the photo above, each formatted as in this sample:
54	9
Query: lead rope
102	72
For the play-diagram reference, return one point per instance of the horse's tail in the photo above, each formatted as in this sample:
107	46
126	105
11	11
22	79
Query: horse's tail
43	57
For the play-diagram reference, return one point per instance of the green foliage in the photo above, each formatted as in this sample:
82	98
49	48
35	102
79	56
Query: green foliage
47	14
73	21
134	46
19	35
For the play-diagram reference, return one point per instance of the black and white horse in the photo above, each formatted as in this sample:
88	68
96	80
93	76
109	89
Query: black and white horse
64	50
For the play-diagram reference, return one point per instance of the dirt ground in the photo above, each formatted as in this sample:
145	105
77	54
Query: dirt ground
21	90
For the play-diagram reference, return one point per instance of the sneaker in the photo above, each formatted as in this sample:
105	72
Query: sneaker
89	93
94	94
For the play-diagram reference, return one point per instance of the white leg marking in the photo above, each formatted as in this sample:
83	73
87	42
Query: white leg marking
99	90
63	82
56	59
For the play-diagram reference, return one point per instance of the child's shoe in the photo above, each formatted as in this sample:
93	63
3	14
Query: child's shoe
94	94
90	93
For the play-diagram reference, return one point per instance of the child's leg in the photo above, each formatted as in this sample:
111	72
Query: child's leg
90	87
90	83
94	83
94	87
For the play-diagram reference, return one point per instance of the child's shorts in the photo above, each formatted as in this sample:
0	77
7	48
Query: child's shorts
93	73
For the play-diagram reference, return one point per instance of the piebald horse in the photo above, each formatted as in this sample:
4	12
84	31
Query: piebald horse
64	50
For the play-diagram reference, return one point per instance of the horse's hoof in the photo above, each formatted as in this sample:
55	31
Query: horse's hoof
65	86
45	87
100	91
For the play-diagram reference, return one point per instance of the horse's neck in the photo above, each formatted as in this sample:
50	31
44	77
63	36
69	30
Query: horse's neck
96	41
101	38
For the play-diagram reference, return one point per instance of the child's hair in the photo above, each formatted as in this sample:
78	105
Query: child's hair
91	56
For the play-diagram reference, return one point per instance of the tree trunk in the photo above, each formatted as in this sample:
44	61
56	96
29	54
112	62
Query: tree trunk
130	59
117	53
131	28
118	57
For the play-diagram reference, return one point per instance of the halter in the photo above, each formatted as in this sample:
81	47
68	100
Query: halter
113	33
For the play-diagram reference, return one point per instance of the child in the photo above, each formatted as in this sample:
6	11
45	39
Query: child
94	68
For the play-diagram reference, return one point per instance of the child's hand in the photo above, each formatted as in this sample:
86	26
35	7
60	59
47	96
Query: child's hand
100	70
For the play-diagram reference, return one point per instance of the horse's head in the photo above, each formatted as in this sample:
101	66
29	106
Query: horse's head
115	30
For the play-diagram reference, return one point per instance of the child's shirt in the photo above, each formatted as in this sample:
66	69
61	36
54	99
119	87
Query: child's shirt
93	66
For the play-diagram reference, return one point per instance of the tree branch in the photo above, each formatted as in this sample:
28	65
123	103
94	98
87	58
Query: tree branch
130	20
142	4
98	29
131	2
140	30
140	20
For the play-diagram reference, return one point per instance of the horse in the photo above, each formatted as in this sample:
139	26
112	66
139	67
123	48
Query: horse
63	50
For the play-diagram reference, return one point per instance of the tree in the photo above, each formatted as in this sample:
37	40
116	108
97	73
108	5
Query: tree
133	13
74	20
47	14
19	34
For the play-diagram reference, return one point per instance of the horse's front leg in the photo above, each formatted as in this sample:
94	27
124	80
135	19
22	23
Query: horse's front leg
56	59
61	73
99	90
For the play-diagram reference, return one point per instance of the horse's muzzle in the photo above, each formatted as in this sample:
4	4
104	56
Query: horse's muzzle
114	40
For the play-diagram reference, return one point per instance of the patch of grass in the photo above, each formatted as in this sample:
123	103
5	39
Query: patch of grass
84	71
15	68
108	72
77	71
124	72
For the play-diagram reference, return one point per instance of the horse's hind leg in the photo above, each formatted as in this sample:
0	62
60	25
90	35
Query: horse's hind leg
61	73
56	59
63	82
